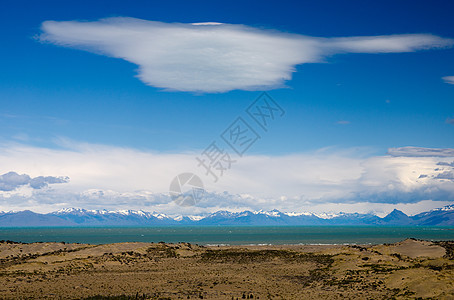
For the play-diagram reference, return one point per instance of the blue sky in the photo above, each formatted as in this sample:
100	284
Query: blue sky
356	105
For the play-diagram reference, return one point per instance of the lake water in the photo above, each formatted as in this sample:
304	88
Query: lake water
228	235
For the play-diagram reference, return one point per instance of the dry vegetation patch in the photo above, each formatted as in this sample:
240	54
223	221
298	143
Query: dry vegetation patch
185	271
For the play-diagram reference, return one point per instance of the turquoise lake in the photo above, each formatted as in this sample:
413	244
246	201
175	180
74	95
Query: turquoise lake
229	235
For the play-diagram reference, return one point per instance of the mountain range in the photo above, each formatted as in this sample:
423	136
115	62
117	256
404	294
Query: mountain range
81	217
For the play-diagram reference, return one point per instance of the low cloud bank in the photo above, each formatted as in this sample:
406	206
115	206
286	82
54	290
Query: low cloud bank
113	178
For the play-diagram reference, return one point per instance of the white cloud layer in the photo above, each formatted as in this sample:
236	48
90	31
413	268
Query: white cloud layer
121	178
215	57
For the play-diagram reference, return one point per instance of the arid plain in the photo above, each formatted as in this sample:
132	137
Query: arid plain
411	269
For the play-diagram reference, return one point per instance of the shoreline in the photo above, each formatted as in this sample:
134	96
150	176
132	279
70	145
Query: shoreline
211	245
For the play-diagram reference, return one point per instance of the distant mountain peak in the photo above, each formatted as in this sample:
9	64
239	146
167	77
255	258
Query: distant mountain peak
397	217
445	208
82	217
69	210
397	212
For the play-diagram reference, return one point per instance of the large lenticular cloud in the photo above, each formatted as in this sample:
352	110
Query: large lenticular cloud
215	57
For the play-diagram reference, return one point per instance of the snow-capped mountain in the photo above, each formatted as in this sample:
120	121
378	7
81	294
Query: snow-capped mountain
81	217
440	216
445	208
105	217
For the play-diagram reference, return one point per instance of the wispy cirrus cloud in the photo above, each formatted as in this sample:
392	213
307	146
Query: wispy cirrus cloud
420	152
343	122
448	79
214	57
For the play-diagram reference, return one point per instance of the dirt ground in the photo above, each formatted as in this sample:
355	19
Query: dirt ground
410	269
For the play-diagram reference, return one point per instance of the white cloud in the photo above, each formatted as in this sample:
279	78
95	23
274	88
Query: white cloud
448	79
11	181
215	57
121	178
386	43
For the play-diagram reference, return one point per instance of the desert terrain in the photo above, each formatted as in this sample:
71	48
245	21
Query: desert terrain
411	269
